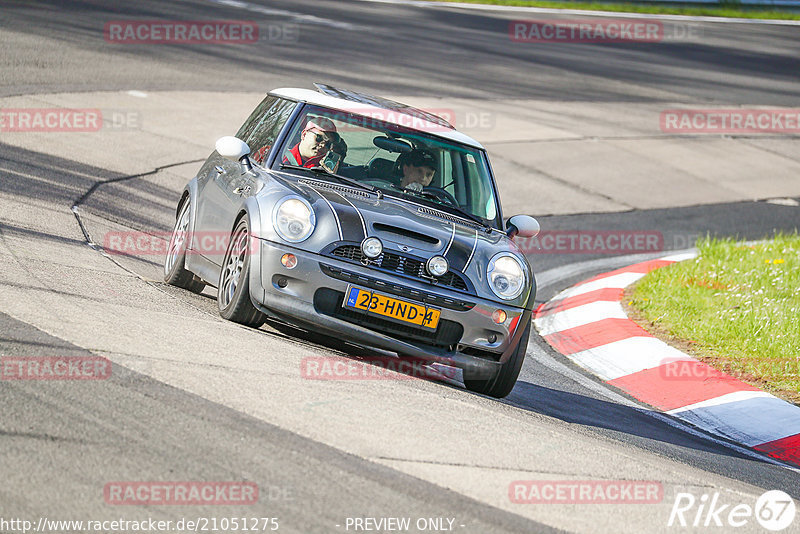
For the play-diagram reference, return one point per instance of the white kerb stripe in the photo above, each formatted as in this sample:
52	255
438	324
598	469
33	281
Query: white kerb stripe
627	356
578	316
736	396
680	257
749	417
616	281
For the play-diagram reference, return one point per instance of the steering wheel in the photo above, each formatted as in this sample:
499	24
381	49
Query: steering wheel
440	194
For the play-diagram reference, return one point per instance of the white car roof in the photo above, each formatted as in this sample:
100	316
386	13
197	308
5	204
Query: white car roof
392	116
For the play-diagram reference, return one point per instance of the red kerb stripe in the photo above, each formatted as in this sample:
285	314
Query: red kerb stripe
786	449
589	336
679	383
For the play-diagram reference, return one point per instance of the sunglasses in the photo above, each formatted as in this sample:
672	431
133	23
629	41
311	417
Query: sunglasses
319	138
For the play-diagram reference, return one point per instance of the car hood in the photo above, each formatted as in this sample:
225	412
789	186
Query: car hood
406	226
346	215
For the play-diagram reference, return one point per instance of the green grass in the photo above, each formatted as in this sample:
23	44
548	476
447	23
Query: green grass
738	307
729	10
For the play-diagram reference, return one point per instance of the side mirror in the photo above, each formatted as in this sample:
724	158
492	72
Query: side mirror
234	149
523	226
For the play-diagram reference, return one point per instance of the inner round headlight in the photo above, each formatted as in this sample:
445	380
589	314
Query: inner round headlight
506	276
437	266
293	219
372	247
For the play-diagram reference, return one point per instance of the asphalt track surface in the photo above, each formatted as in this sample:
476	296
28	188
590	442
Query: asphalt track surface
155	430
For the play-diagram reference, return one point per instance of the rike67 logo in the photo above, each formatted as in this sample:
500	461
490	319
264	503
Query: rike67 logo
774	511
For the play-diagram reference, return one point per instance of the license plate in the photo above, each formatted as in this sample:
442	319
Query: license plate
400	310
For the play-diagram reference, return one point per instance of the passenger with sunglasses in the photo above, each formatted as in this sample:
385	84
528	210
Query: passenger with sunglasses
315	141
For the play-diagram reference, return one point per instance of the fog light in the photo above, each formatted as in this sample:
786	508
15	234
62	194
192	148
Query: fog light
492	338
437	266
289	261
499	316
282	282
371	247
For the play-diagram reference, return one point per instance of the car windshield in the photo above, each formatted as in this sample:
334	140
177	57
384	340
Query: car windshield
398	161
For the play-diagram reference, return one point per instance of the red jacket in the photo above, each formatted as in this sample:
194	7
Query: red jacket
294	158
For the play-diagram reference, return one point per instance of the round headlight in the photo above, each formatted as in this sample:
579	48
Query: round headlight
506	276
371	247
437	266
293	219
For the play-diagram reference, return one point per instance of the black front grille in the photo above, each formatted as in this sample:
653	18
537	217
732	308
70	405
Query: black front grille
397	263
396	290
329	302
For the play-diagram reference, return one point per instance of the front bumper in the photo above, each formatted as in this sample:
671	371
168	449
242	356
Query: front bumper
311	295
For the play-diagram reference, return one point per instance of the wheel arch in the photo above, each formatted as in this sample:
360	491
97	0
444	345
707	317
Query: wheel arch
251	209
190	193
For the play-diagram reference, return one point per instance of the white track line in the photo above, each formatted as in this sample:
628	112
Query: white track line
300	18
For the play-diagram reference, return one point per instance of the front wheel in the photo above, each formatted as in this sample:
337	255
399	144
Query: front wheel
233	290
175	272
501	384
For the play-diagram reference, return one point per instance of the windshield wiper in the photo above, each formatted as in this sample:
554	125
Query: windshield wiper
322	171
469	216
460	211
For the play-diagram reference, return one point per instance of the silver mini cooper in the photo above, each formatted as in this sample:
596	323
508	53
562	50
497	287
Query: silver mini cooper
365	219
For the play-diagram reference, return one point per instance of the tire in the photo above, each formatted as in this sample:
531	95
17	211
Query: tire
501	384
233	290
175	272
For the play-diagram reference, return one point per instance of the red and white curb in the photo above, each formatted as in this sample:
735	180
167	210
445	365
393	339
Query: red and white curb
588	325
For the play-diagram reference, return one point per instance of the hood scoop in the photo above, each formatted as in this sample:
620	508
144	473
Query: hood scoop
436	214
404	234
360	193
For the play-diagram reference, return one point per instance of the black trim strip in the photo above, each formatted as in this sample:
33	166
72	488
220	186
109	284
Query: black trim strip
352	224
460	249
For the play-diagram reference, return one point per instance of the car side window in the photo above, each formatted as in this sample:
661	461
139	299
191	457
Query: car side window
263	126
